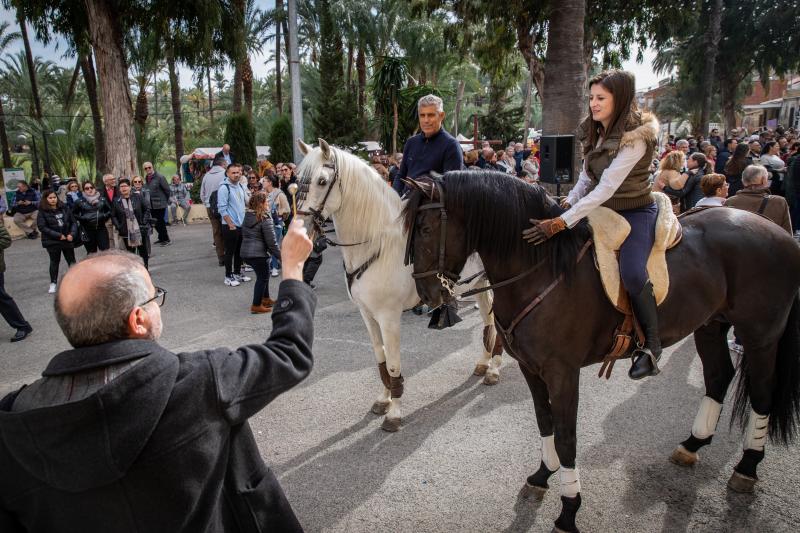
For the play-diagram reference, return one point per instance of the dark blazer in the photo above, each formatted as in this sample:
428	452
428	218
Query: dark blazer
222	155
159	191
258	238
53	224
140	210
163	447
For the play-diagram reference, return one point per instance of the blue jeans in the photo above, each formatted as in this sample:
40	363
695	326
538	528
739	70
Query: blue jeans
274	263
635	251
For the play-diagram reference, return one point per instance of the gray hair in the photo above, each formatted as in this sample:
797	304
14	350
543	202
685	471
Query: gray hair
682	142
431	100
102	315
753	174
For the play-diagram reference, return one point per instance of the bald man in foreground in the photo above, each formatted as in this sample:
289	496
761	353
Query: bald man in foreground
123	435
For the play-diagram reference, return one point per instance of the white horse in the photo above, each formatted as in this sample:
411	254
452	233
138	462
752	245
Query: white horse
366	214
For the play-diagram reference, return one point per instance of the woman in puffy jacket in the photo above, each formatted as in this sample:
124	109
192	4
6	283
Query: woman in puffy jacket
59	233
92	211
258	242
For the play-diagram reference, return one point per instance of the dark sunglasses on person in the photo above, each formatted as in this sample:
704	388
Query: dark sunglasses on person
88	188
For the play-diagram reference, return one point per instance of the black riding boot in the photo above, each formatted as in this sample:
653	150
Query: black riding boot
644	309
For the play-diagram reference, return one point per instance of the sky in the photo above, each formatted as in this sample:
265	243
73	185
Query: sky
55	52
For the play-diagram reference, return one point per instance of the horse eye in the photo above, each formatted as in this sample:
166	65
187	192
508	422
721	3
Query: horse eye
323	180
425	231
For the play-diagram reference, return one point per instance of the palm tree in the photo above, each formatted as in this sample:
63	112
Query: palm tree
6	39
144	58
256	24
390	75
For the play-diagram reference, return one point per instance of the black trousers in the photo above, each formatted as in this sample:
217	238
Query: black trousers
310	268
55	253
98	239
161	226
232	239
261	286
9	309
142	249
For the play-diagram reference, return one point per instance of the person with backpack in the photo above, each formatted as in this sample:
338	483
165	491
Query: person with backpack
211	182
279	209
232	197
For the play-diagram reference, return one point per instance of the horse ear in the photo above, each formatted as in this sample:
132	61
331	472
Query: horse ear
326	149
304	148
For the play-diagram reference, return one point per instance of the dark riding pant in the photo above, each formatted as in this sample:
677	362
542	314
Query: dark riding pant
635	251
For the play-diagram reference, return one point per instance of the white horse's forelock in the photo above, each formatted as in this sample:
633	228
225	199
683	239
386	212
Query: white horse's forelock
370	208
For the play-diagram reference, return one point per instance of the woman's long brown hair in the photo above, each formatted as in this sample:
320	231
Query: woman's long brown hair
622	85
258	203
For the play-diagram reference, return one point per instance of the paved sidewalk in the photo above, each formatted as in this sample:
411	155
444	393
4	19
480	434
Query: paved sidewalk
465	449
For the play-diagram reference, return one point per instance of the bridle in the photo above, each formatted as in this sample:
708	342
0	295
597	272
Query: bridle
447	279
316	214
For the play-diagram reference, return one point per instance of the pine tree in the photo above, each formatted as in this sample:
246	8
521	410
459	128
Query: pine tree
334	113
241	136
280	140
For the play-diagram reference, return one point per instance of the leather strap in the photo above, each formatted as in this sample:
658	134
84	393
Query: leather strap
357	273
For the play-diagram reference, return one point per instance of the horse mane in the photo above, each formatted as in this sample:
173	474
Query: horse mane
496	208
369	212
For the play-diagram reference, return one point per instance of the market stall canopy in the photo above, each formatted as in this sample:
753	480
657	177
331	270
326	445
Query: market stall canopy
262	152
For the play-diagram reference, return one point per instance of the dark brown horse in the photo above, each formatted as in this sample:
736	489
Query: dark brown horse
731	268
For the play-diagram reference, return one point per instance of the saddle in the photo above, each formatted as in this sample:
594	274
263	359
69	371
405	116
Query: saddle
609	231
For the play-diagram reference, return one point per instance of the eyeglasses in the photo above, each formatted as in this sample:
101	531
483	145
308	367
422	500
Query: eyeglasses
160	293
148	168
137	181
89	188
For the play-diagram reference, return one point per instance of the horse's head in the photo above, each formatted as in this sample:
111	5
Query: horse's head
437	244
320	196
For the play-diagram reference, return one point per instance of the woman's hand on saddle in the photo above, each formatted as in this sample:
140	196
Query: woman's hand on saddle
565	204
541	230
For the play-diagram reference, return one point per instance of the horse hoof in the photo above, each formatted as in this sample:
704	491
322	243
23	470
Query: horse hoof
741	483
491	379
683	457
390	424
380	408
480	370
533	492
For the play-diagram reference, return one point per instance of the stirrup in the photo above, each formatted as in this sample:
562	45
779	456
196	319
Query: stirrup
637	356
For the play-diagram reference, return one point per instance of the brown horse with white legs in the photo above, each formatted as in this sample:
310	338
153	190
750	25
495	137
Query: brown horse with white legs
732	268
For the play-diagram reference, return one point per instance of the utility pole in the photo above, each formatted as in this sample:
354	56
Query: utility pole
294	71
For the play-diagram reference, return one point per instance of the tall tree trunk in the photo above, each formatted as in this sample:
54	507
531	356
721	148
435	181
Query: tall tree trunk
73	83
35	159
728	95
210	96
237	89
459	104
350	54
175	93
565	77
361	69
112	70
712	42
394	126
142	108
37	102
247	85
278	79
4	138
528	90
90	81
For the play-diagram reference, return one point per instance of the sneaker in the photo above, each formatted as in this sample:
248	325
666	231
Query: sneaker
232	281
247	268
274	273
165	243
52	289
242	277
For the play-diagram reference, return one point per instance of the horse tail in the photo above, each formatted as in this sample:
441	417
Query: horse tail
784	416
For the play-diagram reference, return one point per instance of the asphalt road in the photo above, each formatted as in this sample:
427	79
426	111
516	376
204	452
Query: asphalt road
465	449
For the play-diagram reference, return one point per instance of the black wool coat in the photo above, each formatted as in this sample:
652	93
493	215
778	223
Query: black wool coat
163	447
159	191
140	210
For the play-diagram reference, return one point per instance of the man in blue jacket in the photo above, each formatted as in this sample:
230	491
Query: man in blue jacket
232	197
431	150
26	208
122	435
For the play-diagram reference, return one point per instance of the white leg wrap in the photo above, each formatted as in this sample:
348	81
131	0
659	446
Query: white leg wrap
705	423
570	484
549	455
755	436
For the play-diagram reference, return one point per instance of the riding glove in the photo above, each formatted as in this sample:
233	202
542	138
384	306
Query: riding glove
541	230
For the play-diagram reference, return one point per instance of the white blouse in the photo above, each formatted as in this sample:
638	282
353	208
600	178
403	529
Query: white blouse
584	199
